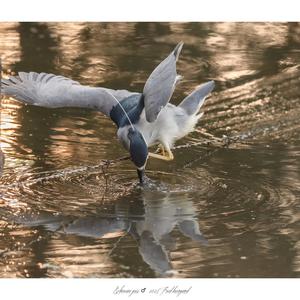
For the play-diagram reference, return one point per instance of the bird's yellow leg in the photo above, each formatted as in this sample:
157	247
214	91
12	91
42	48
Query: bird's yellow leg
170	155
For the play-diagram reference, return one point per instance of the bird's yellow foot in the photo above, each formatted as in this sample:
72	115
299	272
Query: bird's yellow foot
160	150
168	155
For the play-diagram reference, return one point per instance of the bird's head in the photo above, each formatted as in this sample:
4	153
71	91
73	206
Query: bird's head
138	151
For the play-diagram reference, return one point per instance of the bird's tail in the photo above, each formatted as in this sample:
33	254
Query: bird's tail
193	102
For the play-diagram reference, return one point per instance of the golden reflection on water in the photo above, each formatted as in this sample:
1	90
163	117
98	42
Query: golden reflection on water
9	44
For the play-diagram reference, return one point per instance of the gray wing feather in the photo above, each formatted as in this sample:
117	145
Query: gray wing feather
154	253
161	84
193	102
49	90
190	228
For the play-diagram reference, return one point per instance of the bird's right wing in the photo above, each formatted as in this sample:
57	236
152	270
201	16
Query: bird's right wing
52	91
160	85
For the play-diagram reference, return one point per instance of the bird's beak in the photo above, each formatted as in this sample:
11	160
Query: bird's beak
141	174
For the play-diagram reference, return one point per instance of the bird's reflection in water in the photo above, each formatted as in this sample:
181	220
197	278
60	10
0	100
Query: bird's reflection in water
149	219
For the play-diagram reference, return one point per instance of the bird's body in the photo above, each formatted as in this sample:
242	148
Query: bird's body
143	119
171	125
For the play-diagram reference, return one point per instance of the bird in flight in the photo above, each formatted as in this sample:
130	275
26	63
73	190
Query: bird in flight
143	119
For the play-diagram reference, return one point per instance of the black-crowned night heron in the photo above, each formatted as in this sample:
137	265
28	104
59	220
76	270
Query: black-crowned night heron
143	119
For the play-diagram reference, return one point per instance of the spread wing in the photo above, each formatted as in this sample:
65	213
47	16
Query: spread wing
161	84
193	102
52	91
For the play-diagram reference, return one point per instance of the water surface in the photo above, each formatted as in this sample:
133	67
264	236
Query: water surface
227	206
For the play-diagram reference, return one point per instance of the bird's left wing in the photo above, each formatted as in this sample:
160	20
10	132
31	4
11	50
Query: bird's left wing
53	91
160	85
193	102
